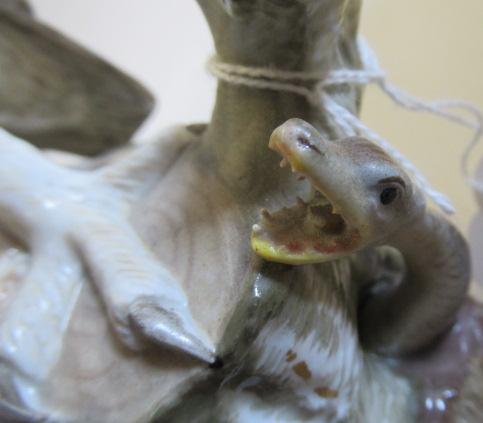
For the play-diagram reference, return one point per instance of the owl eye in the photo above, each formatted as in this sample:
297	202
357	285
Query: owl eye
388	195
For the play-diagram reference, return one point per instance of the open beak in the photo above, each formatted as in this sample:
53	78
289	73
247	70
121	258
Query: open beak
310	230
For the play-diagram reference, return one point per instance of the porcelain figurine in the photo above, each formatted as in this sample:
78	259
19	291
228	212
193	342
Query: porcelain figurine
147	284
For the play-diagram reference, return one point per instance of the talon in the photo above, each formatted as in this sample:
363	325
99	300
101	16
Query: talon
283	162
217	364
170	329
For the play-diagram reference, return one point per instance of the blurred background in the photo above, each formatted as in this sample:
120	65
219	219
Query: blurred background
431	48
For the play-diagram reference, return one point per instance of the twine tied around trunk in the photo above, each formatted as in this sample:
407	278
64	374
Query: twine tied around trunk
343	120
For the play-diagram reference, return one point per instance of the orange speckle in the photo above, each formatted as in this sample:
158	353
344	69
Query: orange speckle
290	356
301	370
324	392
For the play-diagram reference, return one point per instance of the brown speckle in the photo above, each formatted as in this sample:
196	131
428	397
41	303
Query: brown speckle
324	392
290	356
301	370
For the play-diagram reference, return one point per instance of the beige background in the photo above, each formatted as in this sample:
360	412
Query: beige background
432	48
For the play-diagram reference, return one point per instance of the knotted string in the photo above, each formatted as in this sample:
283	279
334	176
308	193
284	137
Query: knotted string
345	121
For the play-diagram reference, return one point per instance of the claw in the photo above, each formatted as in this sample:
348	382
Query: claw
170	329
88	233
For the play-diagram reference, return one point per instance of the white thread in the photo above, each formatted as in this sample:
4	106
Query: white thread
343	120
